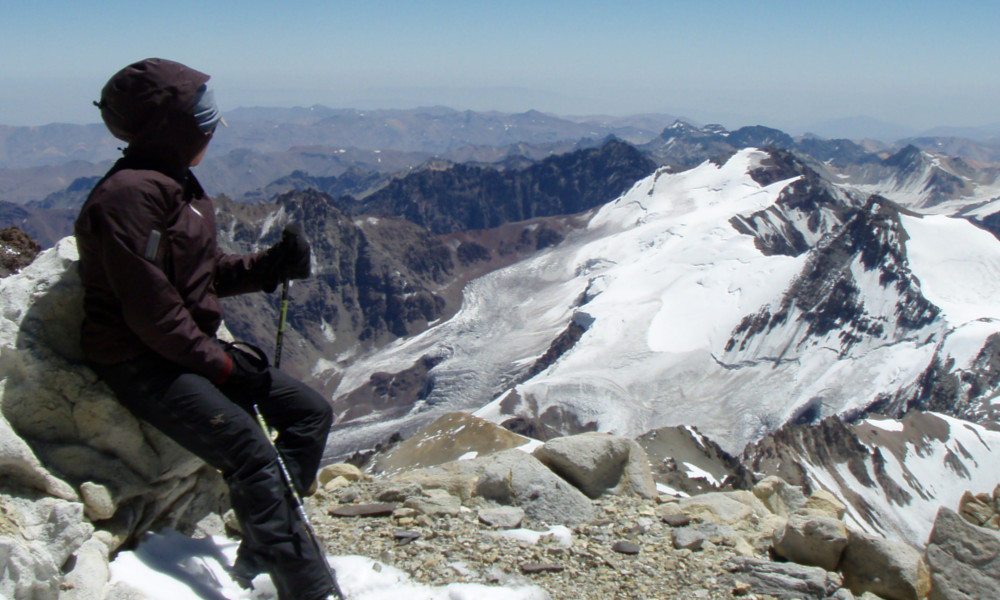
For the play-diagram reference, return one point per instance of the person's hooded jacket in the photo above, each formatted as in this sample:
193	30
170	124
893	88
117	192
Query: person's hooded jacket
151	271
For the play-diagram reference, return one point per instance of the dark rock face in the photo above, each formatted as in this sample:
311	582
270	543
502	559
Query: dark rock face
805	211
373	279
826	297
17	250
467	197
355	181
966	393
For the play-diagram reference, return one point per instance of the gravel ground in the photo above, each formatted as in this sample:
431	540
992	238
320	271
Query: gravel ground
626	553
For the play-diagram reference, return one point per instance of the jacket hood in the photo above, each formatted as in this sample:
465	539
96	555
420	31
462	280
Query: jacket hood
150	104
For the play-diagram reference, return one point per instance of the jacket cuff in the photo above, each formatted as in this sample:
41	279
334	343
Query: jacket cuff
227	370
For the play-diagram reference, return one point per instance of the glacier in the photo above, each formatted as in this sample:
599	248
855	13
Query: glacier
661	281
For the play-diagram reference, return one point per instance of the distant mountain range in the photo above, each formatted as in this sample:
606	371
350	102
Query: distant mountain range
379	181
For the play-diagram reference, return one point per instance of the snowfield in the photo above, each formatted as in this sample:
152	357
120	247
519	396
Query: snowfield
661	279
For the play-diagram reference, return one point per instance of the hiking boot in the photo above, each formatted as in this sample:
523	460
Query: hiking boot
247	566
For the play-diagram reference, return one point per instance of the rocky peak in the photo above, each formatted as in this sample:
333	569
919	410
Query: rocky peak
908	157
826	304
17	250
759	136
465	197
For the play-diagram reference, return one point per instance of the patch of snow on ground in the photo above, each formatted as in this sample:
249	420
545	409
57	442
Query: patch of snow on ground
560	533
694	472
886	424
170	566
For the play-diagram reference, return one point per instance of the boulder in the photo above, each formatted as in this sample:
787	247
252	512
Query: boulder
964	559
823	503
345	470
976	510
749	523
514	478
892	570
599	463
695	536
779	496
783	580
457	478
812	540
90	573
502	517
435	503
69	452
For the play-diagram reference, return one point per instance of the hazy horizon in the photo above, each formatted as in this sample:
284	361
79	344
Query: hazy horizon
915	65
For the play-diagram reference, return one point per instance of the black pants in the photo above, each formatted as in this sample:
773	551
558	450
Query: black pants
222	430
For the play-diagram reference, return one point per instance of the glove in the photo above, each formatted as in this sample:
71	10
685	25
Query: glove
287	259
249	379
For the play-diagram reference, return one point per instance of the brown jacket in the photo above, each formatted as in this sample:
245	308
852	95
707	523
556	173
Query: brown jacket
151	271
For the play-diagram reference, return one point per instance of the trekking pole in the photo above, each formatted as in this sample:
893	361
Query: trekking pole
300	507
282	318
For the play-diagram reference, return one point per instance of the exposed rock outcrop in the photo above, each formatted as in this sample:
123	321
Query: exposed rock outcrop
17	250
71	456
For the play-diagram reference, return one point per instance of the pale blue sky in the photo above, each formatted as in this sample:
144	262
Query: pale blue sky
781	63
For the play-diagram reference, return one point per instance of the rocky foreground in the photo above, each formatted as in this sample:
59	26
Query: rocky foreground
496	519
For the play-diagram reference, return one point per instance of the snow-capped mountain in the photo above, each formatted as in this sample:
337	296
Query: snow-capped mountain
925	181
733	297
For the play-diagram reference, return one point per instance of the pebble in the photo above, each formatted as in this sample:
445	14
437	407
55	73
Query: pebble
362	510
626	548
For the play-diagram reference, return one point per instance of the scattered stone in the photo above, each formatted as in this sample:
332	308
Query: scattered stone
403	536
405	513
231	522
363	510
98	502
688	539
502	517
336	483
676	519
532	568
624	547
348	495
394	491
